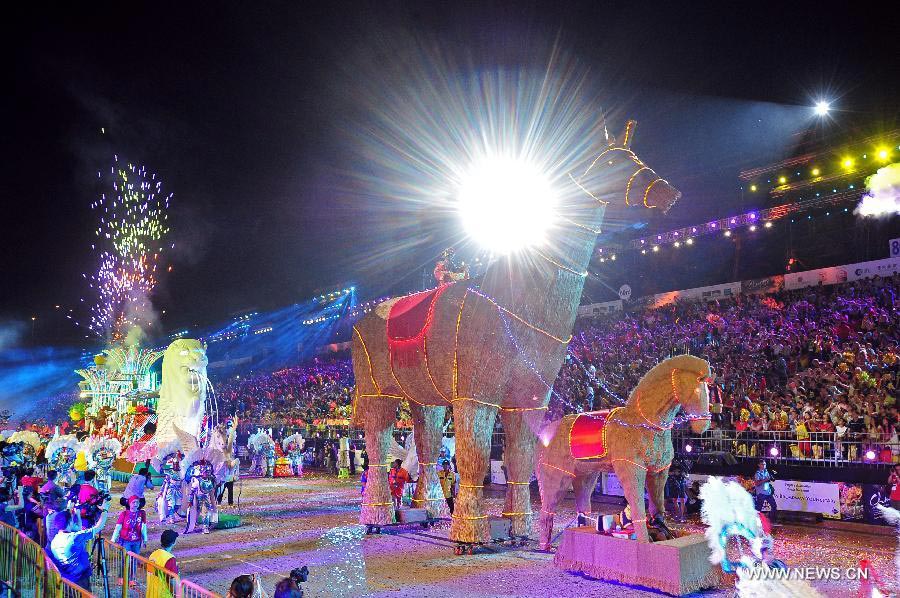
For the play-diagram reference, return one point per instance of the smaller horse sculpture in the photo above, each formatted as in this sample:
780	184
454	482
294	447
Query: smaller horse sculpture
633	441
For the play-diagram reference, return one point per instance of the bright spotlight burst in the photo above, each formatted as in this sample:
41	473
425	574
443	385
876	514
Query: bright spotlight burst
506	204
454	152
822	108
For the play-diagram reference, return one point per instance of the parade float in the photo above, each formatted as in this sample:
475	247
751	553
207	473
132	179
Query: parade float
121	391
633	441
491	349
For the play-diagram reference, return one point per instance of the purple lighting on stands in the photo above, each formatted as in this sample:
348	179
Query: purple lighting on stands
753	216
688	448
773	451
870	455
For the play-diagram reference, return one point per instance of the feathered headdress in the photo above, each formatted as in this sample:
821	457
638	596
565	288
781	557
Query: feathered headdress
162	451
26	437
95	443
296	438
728	510
211	455
259	440
68	441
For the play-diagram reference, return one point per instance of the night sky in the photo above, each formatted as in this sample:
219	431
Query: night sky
253	114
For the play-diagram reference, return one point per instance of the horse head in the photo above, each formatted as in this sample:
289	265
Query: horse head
690	376
617	166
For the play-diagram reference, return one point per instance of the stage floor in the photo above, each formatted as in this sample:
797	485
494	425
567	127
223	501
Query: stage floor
313	521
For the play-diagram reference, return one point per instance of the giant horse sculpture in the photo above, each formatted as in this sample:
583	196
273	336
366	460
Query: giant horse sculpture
491	350
634	441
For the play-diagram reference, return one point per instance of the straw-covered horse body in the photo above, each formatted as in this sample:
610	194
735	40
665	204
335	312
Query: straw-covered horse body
633	441
489	350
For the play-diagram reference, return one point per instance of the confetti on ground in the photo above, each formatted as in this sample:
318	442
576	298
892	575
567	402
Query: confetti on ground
314	521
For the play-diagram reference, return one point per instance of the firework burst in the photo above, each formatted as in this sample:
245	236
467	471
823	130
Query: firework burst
129	245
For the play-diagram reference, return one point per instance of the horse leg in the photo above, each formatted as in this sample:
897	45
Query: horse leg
474	424
378	424
584	485
656	485
553	485
428	434
518	455
633	479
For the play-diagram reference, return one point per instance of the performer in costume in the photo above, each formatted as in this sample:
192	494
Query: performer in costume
203	468
264	449
101	453
293	448
62	451
31	444
169	500
446	269
270	460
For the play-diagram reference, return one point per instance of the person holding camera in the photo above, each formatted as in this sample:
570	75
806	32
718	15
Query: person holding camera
68	548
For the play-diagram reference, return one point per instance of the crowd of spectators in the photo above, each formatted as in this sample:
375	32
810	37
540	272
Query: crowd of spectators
811	364
815	363
302	395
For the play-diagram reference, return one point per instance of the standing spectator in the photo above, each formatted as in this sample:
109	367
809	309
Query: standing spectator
158	585
231	475
448	483
131	527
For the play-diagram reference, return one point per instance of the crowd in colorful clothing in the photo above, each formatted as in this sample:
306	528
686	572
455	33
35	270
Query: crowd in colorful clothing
818	363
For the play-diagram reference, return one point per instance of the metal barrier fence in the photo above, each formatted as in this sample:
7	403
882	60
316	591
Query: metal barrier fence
28	572
817	448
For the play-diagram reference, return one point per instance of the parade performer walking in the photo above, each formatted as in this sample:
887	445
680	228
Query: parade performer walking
293	448
101	453
169	499
203	467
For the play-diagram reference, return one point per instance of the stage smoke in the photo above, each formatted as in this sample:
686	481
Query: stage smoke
882	196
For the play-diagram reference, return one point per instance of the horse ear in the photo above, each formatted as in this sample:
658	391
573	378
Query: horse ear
628	134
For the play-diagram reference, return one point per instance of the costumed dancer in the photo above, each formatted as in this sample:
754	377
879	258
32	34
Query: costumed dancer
61	454
258	444
168	462
101	454
203	468
264	450
293	448
31	444
730	514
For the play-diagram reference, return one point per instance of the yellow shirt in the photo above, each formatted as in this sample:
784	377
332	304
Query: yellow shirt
802	432
447	479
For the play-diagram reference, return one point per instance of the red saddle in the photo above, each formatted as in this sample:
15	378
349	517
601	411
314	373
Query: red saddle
587	440
407	324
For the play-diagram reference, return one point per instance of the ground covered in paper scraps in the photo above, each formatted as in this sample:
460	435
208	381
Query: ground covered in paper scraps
313	521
